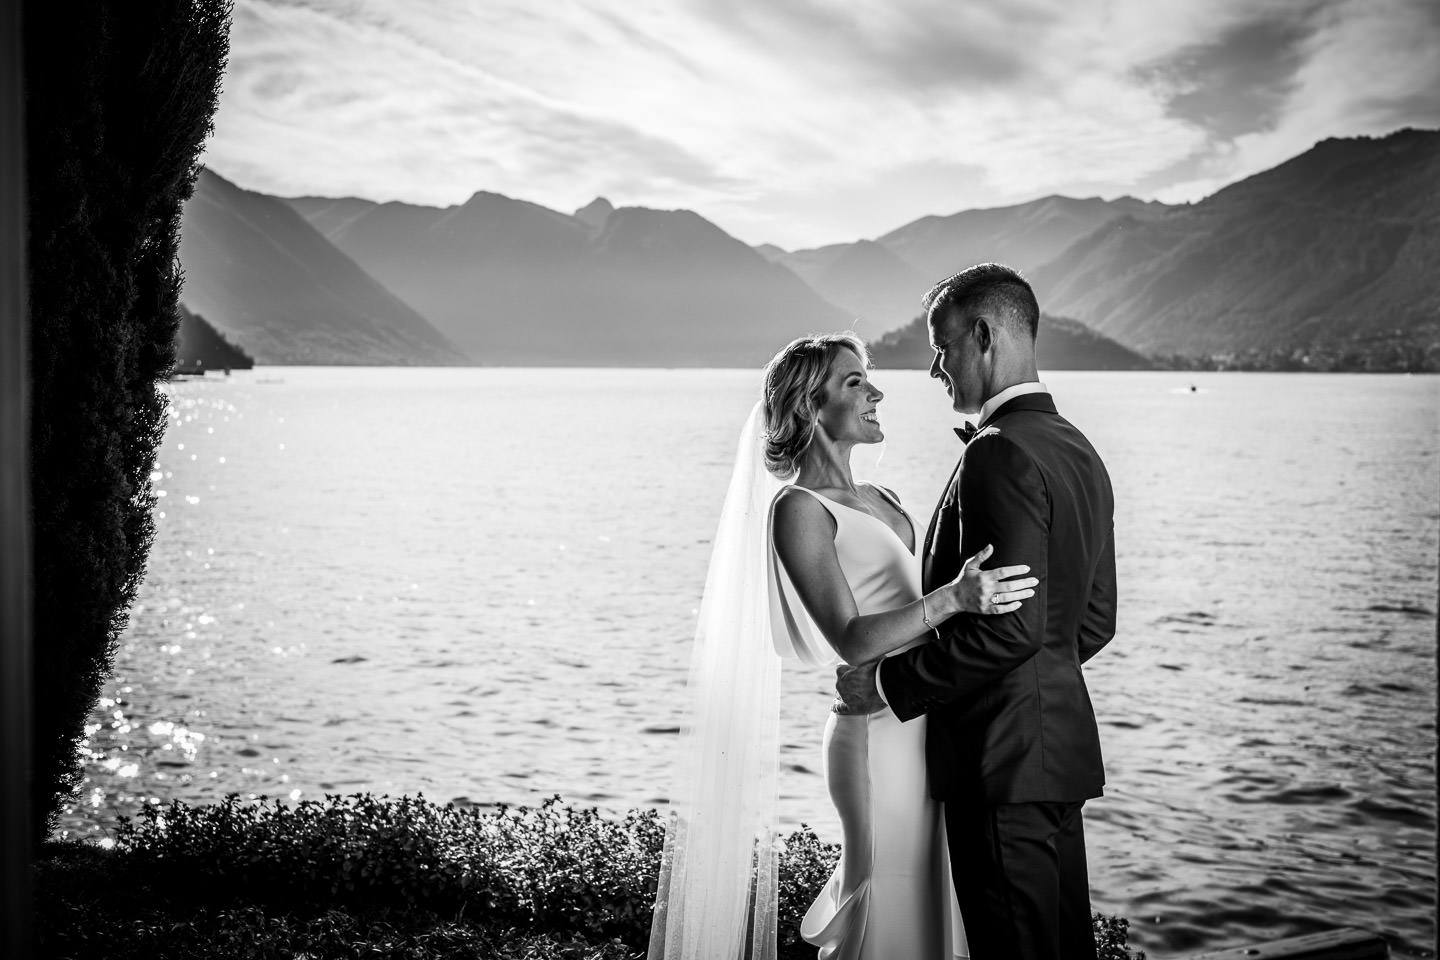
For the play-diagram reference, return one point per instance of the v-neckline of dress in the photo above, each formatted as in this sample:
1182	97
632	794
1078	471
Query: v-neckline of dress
914	534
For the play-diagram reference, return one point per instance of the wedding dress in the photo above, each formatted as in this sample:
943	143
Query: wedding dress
717	891
891	895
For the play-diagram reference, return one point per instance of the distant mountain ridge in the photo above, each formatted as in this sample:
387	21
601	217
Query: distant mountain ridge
512	282
882	281
873	285
273	285
327	214
1325	261
1024	236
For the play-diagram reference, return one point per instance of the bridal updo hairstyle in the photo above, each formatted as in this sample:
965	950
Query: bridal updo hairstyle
794	392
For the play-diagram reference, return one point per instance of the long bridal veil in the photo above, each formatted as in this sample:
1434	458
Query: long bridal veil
718	892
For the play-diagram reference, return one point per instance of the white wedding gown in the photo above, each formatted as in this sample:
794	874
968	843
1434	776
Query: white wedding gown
891	896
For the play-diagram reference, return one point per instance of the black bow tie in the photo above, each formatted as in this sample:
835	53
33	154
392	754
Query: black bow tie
966	432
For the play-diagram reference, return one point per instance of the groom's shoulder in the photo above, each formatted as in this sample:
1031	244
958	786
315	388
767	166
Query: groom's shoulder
999	447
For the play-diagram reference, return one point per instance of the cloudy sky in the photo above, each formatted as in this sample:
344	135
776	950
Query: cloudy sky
802	122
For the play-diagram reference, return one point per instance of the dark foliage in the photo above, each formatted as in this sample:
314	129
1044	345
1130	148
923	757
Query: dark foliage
804	867
360	876
118	100
550	868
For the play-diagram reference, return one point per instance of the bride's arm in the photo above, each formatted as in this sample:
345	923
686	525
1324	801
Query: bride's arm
804	535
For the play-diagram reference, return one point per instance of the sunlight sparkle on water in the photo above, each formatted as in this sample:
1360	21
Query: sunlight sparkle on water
120	768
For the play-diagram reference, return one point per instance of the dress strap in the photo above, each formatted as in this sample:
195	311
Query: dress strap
889	494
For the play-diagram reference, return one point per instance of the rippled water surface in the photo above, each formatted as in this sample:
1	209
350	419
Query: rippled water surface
481	584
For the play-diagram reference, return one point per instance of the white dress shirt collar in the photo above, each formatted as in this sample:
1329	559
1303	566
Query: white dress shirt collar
988	408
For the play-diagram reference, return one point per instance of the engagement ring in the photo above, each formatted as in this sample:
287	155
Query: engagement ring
995	599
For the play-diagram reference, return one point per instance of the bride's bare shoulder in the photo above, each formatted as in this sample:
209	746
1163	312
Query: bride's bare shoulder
797	510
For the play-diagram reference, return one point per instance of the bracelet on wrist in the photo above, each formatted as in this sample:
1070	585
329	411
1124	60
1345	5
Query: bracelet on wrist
925	615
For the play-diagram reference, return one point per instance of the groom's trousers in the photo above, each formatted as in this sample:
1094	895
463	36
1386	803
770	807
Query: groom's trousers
1021	879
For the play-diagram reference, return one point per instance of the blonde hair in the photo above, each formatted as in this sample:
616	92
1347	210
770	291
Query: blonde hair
794	390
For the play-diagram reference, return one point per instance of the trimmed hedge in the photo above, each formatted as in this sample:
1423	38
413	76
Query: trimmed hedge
396	876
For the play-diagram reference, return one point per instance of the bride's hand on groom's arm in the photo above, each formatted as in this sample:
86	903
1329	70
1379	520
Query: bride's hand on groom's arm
999	590
855	689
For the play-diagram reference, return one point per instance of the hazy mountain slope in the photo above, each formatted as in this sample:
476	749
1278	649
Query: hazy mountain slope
1062	344
480	271
1334	250
1024	236
672	285
328	215
200	347
517	283
805	264
872	285
267	280
882	281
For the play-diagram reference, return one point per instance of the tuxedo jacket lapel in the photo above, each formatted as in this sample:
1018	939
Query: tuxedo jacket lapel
947	510
940	506
946	502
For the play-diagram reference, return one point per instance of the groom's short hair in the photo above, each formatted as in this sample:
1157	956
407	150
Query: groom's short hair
989	288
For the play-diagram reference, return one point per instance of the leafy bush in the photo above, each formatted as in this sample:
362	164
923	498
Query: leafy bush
1111	936
548	868
364	875
805	866
252	933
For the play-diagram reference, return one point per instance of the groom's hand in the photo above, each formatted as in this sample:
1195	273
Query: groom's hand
855	688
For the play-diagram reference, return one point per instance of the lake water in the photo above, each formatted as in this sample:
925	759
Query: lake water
481	584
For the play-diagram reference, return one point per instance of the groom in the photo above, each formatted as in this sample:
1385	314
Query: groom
1012	746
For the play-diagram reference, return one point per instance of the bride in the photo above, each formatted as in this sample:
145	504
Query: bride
822	570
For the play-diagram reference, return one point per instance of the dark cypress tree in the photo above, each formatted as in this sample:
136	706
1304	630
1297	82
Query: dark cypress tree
118	100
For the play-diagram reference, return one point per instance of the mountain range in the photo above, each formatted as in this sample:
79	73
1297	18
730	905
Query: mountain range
1335	250
1323	261
273	285
882	281
515	283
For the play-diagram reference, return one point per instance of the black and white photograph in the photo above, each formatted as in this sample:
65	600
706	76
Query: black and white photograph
719	479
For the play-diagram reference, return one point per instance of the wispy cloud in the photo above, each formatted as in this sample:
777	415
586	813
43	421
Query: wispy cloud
1355	67
806	121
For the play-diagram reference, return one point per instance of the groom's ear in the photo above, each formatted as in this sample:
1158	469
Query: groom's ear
984	338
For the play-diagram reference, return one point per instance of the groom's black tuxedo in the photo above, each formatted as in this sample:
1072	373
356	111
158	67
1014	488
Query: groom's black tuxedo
1010	718
1012	745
